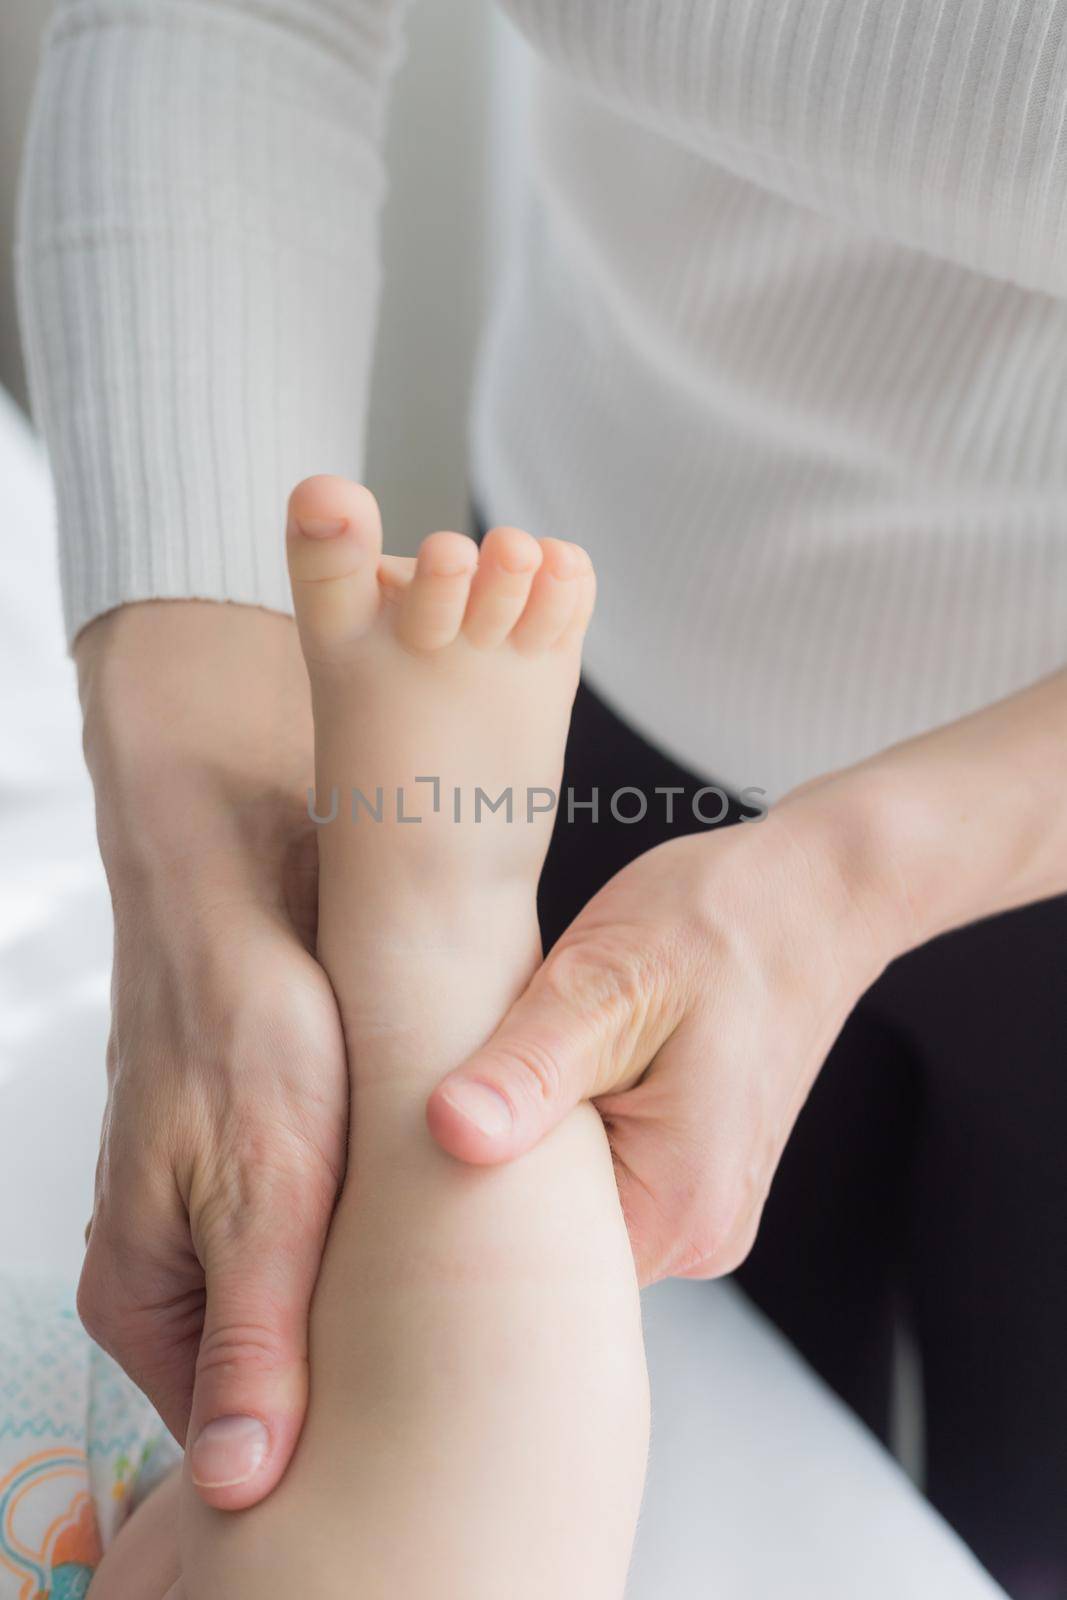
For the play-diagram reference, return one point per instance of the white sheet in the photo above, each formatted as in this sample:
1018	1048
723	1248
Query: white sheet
761	1486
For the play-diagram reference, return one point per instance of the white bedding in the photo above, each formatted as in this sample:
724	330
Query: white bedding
761	1487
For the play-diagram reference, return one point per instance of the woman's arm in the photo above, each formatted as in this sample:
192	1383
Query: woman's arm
972	817
198	275
697	995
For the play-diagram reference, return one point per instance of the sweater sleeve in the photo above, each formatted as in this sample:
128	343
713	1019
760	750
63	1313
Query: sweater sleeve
198	280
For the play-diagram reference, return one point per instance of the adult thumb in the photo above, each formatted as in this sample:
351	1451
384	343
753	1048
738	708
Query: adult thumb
567	1038
251	1386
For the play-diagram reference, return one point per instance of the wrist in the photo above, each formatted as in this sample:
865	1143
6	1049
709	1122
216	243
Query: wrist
852	821
197	728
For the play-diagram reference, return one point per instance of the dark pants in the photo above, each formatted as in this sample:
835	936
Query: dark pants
929	1169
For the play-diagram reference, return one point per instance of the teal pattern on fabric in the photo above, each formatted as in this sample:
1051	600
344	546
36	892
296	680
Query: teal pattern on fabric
79	1444
70	1582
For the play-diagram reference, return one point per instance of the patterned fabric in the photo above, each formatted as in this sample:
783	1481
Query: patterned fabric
79	1445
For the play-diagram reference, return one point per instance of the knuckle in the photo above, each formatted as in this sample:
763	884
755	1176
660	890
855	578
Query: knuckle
244	1348
538	1070
262	1188
603	980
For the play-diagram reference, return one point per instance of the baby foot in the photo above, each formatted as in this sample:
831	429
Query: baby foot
442	687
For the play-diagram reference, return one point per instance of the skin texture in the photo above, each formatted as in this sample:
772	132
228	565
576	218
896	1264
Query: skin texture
479	1410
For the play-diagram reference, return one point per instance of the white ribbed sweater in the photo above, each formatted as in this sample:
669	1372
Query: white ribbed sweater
783	340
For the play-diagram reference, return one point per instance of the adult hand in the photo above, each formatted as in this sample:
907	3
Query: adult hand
693	1000
225	1133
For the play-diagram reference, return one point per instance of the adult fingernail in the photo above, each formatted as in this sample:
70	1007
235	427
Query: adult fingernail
227	1452
481	1106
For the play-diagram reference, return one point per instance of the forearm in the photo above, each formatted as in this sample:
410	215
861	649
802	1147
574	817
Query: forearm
958	824
197	735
